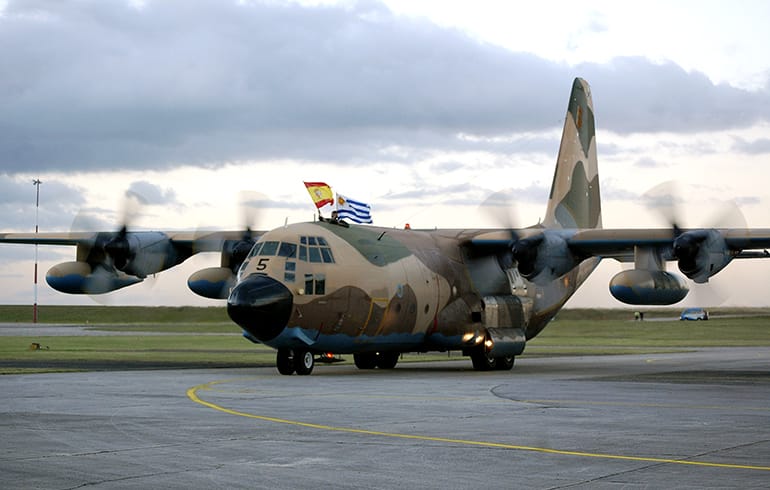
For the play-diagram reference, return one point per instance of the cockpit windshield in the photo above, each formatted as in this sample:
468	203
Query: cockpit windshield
313	249
288	250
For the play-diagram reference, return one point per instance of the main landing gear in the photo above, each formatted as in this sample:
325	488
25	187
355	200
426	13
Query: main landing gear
290	361
484	362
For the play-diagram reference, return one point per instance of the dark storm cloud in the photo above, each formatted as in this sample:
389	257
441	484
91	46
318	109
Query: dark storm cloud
104	85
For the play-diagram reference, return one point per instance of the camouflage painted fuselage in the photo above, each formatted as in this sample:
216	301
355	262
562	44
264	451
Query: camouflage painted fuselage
383	289
368	289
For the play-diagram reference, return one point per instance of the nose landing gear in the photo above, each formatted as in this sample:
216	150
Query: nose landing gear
289	361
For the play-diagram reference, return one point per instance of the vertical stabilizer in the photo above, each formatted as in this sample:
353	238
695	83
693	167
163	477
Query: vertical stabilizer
574	200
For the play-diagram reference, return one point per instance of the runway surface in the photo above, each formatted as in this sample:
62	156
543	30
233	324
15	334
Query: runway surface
687	420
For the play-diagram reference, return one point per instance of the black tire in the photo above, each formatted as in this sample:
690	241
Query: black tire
483	362
387	360
365	360
303	362
284	361
505	363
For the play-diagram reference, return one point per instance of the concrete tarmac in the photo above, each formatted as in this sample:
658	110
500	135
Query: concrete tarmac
687	420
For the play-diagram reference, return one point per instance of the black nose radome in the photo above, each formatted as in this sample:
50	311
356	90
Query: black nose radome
261	306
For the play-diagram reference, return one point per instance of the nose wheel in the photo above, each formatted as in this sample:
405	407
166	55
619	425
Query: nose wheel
290	361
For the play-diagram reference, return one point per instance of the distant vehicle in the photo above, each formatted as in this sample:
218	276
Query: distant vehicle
694	314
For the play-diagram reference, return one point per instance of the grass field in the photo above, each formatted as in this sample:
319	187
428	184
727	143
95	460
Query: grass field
204	337
115	314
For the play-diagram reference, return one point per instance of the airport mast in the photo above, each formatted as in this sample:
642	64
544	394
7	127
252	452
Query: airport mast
36	183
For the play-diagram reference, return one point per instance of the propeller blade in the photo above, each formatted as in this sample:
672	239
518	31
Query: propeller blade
131	207
500	208
729	215
251	205
119	249
665	200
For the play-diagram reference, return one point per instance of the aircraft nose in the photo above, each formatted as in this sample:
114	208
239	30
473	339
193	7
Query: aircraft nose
261	306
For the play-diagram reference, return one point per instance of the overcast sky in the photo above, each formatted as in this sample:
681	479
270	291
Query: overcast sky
422	109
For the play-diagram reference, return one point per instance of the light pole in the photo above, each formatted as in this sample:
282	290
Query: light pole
36	183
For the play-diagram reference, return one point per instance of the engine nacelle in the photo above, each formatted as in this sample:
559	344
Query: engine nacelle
142	254
643	287
80	278
701	254
543	258
234	252
212	282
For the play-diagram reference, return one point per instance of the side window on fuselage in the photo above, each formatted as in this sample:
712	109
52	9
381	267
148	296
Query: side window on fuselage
315	283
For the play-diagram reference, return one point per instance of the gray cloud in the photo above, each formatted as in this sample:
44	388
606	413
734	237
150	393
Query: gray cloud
148	193
747	200
58	203
635	95
611	192
756	147
104	85
467	194
648	162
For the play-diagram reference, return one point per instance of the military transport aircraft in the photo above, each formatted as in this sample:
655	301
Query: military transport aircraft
315	288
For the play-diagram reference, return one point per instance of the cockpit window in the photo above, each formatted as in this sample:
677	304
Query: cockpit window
315	249
269	248
287	250
255	249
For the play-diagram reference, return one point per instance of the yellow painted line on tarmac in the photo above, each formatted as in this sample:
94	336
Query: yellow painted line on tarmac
192	394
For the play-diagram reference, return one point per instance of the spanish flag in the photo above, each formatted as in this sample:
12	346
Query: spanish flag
320	192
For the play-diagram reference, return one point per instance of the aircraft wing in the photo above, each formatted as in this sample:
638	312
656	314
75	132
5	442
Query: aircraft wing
48	238
110	260
542	254
209	241
619	243
200	241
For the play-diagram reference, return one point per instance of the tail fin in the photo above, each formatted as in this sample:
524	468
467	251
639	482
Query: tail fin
575	200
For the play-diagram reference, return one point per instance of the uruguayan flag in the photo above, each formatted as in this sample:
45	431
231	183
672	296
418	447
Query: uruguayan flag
355	211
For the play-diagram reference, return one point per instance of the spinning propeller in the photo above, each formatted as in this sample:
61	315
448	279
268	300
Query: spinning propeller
691	247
